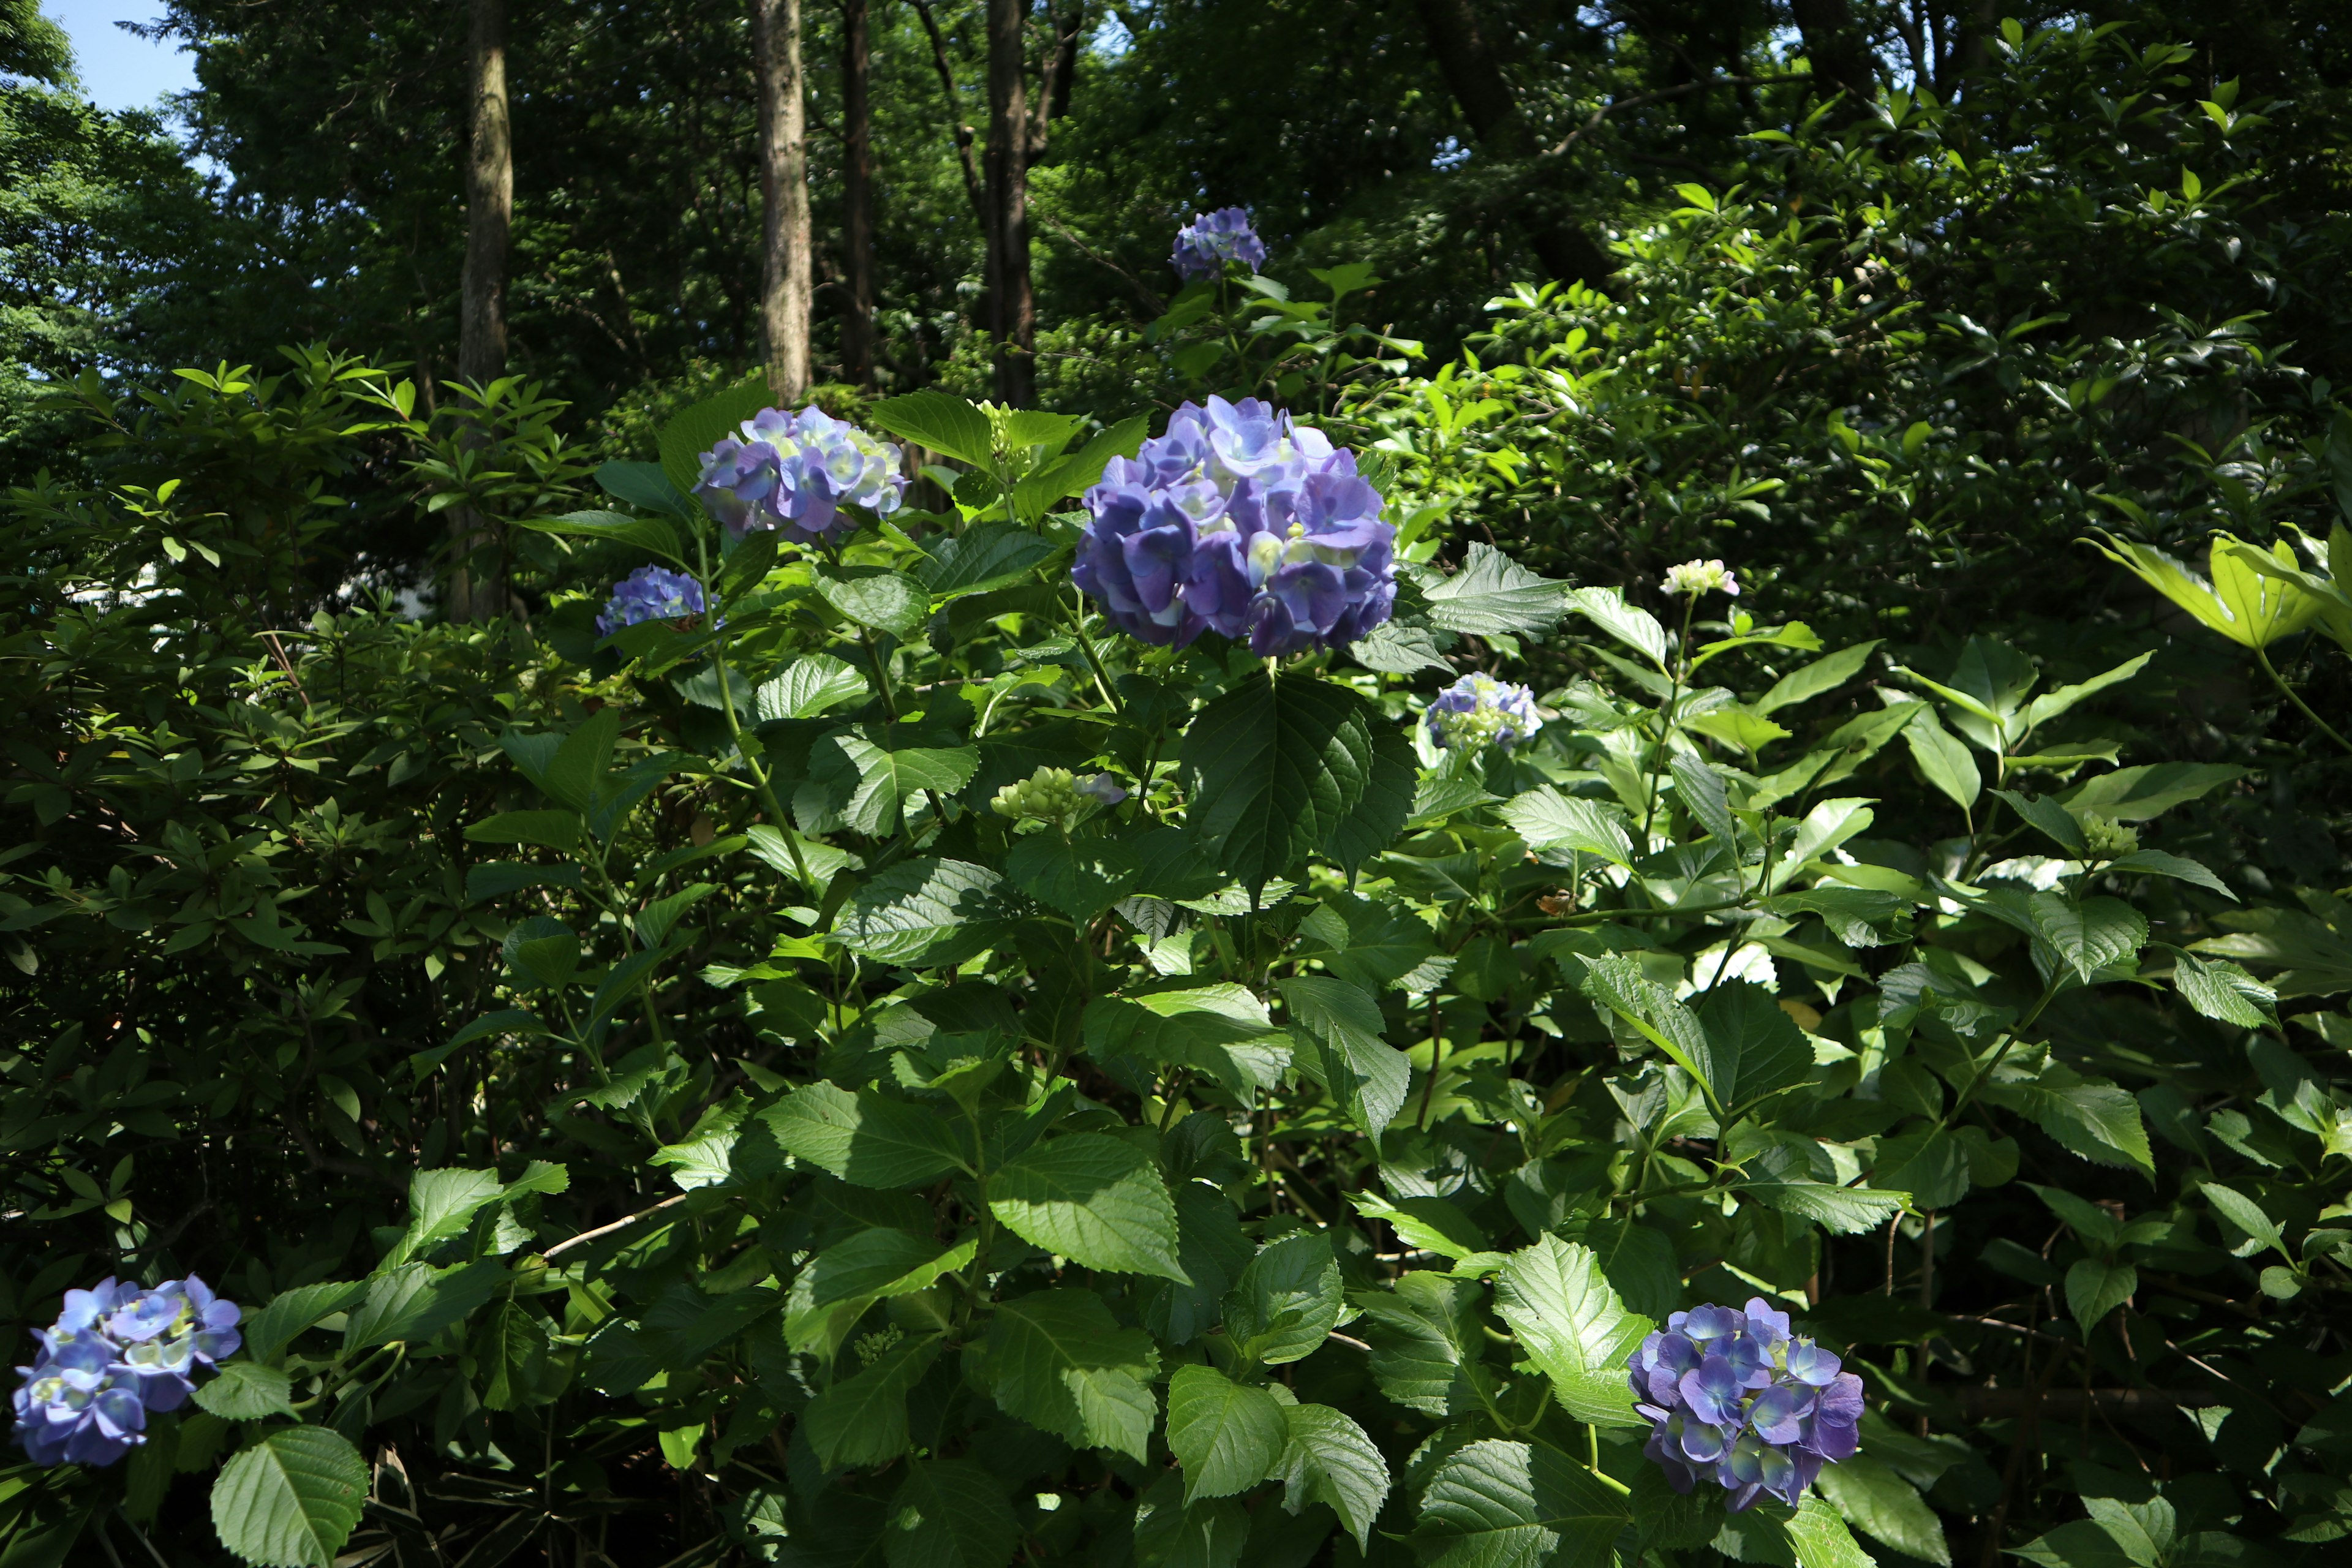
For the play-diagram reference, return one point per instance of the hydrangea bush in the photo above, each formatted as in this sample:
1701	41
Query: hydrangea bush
987	1039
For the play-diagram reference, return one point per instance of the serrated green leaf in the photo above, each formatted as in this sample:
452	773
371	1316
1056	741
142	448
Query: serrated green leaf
880	1262
2097	1120
1093	1199
1365	1076
809	686
884	601
1228	1437
1080	880
1425	1334
1841	1211
1497	1504
950	1513
862	1420
1329	1459
926	913
1493	594
1059	1360
1547	819
2095	1287
2089	934
1287	1301
1885	1506
1274	768
1570	1324
866	1138
246	1391
1753	1047
291	1500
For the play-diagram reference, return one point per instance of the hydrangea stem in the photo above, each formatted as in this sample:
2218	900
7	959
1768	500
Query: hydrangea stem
2262	657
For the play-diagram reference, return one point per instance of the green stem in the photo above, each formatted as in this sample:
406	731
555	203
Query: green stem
1666	721
1093	660
760	779
2263	659
2009	1041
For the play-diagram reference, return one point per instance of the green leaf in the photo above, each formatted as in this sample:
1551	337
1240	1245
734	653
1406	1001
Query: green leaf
1570	1324
950	1513
268	1331
1171	1533
650	534
695	430
2095	1287
1034	494
1221	1030
1093	1199
1700	789
2135	794
887	778
926	913
866	1137
862	1420
441	1205
1809	681
1944	762
1274	767
1425	1336
2156	863
2081	1544
1227	1437
2146	1530
416	1301
1212	1249
1841	1211
809	686
512	1352
1287	1300
246	1391
291	1500
1615	982
553	829
1818	1538
2223	990
1080	880
1059	1360
1365	1076
880	1262
647	487
2097	1120
2056	823
1547	819
1753	1047
1375	946
2090	935
941	421
1328	1460
2247	1215
1388	802
1427	1223
1497	1504
1635	627
1394	648
1494	594
886	601
984	556
2052	703
1886	1507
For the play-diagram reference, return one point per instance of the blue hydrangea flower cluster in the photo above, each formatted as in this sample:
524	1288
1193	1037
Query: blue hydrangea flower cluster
795	472
1212	240
1477	711
650	593
116	1352
1242	521
1732	1398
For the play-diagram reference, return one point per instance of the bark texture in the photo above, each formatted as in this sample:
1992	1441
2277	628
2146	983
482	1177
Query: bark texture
784	273
1014	311
857	195
1467	57
478	577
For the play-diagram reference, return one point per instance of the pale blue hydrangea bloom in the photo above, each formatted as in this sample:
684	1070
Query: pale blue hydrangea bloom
1212	240
650	593
115	1353
796	471
1477	711
1733	1398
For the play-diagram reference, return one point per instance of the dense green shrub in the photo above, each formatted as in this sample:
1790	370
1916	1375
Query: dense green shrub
649	1103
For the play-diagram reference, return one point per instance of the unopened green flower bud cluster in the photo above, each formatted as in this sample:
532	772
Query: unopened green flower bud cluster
2105	838
1057	796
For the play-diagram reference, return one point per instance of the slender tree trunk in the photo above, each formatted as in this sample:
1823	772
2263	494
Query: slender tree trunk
1840	55
784	286
856	195
1467	59
1016	312
478	588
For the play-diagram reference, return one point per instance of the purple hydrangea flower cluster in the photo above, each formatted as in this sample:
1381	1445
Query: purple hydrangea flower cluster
1479	711
116	1352
795	471
1212	240
650	593
1241	522
1733	1398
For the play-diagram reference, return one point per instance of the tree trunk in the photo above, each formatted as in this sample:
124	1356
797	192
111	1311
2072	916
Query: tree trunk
1015	306
1483	94
477	586
857	196
1841	57
784	277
